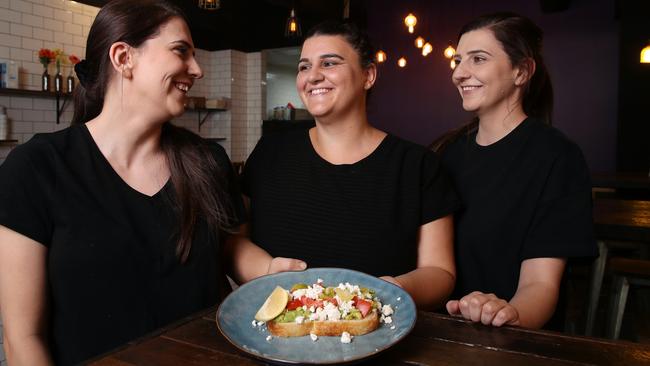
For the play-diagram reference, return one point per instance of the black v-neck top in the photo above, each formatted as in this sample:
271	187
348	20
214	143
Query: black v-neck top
363	216
112	270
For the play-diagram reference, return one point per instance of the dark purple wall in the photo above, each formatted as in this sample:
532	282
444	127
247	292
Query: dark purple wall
419	103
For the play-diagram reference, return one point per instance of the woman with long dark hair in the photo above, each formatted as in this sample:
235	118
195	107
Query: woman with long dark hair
525	187
345	194
113	227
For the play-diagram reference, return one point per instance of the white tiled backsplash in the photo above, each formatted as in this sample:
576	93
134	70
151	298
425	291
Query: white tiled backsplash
28	25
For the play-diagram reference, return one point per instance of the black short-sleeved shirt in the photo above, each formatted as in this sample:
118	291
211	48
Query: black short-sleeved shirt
112	270
525	196
363	216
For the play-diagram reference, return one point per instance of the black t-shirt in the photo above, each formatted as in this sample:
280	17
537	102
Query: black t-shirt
525	196
363	216
112	270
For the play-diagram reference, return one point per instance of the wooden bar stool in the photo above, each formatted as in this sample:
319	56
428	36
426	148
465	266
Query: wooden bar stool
626	272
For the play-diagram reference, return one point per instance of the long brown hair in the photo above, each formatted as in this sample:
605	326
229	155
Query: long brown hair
195	174
521	40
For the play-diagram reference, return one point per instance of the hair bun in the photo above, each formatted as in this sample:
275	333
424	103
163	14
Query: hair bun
81	68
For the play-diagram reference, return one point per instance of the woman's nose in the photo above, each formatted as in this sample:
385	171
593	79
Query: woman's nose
194	69
459	73
314	75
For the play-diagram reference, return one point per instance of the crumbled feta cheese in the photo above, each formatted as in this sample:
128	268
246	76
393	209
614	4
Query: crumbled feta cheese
332	311
388	319
254	323
313	337
260	323
268	338
399	298
319	281
346	337
300	319
387	310
392	327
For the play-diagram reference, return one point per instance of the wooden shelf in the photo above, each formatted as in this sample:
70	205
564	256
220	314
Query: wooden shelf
41	94
207	111
8	141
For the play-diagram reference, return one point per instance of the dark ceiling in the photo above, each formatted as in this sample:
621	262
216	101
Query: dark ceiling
253	25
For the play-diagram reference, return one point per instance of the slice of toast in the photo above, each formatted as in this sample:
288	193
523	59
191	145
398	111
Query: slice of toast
326	328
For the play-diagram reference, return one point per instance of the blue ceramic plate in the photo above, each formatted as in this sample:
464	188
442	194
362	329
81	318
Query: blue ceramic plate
236	312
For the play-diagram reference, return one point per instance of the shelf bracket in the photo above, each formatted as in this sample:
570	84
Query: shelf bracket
59	110
202	120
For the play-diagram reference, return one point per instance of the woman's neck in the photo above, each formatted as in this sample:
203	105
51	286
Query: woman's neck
345	141
126	137
496	125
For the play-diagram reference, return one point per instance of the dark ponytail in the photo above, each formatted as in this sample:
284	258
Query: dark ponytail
195	174
521	40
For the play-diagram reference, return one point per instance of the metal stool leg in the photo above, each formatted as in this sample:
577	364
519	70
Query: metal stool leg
597	274
621	289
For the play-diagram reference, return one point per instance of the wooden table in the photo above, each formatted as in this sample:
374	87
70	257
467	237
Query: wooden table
621	180
435	340
615	221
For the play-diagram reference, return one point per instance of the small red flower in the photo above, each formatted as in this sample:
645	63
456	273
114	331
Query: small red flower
74	59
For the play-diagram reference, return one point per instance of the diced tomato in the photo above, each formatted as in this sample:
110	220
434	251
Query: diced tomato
363	306
333	301
294	304
311	302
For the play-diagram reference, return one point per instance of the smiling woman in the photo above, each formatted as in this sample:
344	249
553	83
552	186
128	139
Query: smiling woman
525	187
113	227
345	194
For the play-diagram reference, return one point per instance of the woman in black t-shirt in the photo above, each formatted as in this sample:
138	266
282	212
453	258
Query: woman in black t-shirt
524	186
345	194
111	228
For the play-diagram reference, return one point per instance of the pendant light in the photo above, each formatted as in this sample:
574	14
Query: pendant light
210	4
419	42
426	49
293	26
645	54
380	56
401	62
449	51
410	22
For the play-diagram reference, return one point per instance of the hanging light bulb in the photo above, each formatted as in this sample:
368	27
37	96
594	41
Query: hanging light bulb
401	62
645	54
449	51
452	64
293	26
410	22
210	4
419	42
426	49
381	56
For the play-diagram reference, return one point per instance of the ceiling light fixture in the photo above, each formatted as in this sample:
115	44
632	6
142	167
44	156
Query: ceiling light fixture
410	22
419	42
401	62
426	49
645	54
449	51
381	56
210	4
293	26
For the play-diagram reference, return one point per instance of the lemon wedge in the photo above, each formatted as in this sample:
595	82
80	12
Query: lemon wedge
273	306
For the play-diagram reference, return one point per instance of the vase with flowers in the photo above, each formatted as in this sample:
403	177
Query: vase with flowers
58	78
45	56
69	85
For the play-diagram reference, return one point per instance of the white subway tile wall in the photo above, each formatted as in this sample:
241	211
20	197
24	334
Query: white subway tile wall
28	25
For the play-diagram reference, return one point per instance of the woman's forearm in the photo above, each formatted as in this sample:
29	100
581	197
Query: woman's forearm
248	260
535	303
27	351
428	286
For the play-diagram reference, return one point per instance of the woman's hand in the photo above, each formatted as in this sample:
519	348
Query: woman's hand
281	264
485	308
